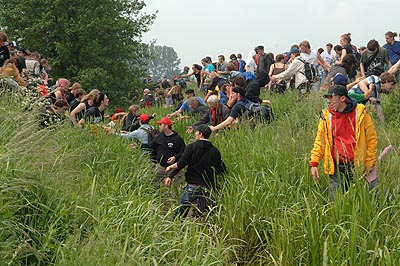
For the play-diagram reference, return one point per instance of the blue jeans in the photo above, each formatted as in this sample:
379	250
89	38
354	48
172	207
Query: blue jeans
193	195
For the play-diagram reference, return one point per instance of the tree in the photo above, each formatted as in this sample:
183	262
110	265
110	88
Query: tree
163	62
94	42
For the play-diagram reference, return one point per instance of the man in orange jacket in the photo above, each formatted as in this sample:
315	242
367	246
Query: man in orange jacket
346	137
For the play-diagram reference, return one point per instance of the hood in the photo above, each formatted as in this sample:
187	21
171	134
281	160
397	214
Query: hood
351	104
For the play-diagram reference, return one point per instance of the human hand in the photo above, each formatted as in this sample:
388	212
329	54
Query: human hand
133	145
168	169
314	173
367	170
189	129
167	181
359	79
171	160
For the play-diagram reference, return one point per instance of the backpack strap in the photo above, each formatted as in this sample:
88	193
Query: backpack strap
304	62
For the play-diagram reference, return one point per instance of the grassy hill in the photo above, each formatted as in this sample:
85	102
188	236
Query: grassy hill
82	197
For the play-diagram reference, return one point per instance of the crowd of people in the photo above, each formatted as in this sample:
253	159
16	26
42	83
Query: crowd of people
229	92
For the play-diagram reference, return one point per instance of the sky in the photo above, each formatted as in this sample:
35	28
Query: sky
196	29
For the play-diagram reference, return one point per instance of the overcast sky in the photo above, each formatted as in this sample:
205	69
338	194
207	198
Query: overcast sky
196	29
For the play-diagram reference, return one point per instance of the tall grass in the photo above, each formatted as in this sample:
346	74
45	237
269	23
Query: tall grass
82	197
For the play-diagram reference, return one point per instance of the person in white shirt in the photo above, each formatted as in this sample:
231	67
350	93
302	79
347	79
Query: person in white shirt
327	55
314	58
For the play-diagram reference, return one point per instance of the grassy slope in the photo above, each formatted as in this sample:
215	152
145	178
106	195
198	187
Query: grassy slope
80	197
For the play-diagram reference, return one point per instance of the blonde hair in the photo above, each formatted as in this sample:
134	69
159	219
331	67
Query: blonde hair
133	108
306	44
93	95
3	36
76	86
79	92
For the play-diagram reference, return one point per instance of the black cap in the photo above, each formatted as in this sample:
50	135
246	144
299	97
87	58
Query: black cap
239	90
188	91
259	47
337	90
21	49
203	129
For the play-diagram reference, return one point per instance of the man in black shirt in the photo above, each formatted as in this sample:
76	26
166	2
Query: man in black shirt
264	63
204	164
167	148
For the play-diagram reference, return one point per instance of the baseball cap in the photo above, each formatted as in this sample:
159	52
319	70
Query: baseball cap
13	44
294	50
119	110
203	129
239	90
189	91
340	79
21	49
144	118
337	90
166	121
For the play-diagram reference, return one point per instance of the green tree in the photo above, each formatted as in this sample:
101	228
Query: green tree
94	42
164	61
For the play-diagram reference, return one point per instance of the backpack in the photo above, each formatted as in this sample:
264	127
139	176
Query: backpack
182	83
356	53
152	133
310	71
242	64
263	112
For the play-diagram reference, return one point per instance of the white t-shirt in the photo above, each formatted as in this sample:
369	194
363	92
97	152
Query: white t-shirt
252	65
328	58
311	58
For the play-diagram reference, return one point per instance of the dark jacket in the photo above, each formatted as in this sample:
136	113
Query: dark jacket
164	146
252	91
201	109
204	163
130	123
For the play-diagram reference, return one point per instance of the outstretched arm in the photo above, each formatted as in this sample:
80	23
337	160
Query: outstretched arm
394	68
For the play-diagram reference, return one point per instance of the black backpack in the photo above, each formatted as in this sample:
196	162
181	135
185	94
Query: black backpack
152	133
310	71
262	112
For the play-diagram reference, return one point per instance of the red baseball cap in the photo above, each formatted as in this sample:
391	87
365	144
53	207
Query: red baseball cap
166	121
119	110
144	118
